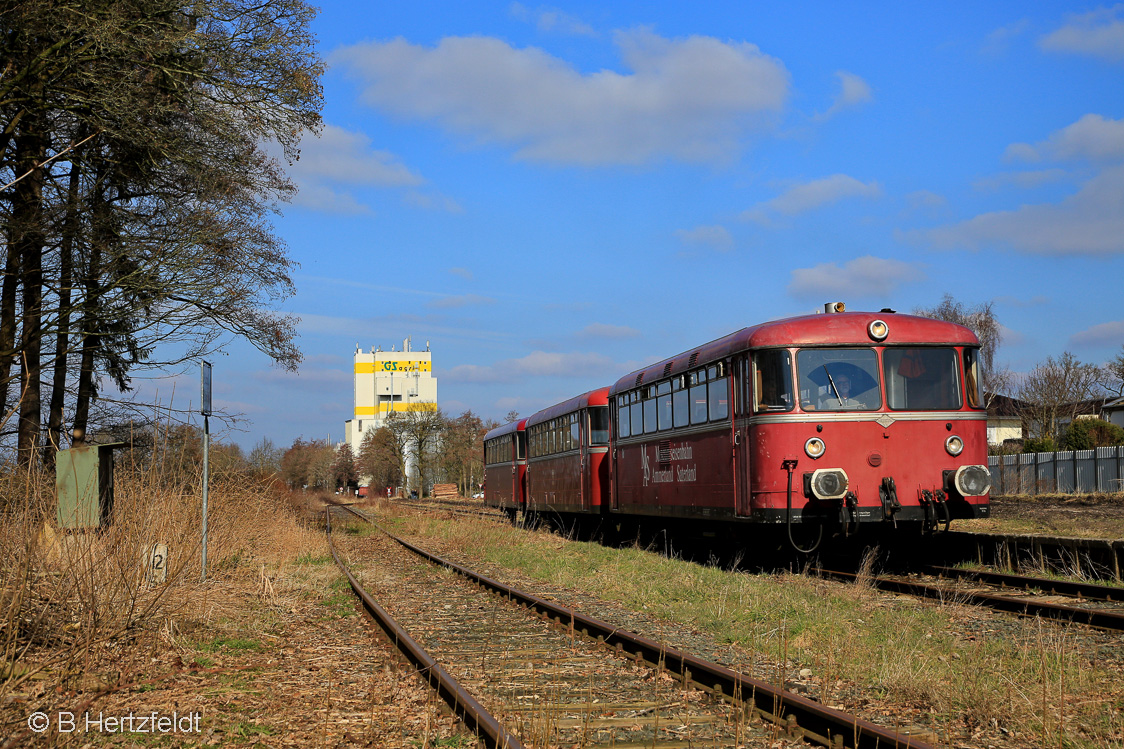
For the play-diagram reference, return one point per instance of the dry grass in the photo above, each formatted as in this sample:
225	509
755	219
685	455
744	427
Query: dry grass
77	613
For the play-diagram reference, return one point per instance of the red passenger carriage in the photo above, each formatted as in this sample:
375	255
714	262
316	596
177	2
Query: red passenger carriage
505	467
567	448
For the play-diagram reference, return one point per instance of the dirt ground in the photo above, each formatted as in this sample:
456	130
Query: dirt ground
262	661
1081	515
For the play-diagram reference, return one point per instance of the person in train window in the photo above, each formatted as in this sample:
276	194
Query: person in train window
845	400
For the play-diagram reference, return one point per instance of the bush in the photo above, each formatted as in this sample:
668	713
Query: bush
1086	434
1039	445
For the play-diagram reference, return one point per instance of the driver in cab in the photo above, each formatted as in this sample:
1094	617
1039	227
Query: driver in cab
840	386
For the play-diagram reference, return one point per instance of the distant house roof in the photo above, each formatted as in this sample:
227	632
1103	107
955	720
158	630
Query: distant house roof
1091	407
1002	406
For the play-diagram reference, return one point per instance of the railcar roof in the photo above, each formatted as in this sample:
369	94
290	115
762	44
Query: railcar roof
598	397
508	428
842	328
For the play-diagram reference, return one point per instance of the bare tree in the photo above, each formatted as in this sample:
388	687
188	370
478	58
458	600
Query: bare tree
1112	374
344	473
462	450
382	458
981	320
1054	391
424	429
265	458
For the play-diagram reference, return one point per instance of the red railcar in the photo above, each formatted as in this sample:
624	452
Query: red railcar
847	418
831	421
505	467
567	447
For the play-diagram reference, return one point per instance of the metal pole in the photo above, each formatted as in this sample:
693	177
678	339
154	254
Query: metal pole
205	409
206	482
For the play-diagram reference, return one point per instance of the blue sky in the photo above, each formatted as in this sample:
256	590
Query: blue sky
553	195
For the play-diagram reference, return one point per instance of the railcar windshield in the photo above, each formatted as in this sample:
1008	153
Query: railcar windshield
838	379
922	379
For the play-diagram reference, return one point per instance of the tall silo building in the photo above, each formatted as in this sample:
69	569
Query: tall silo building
389	382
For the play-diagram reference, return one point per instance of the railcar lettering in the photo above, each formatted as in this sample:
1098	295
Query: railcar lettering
683	452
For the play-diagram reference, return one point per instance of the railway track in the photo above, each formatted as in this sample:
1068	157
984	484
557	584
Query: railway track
456	508
561	678
1087	557
1089	604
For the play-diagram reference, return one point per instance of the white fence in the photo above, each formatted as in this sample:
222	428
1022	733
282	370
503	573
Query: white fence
1068	472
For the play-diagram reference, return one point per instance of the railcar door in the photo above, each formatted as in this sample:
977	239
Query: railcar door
743	408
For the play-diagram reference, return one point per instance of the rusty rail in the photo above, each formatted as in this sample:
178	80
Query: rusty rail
1101	619
463	704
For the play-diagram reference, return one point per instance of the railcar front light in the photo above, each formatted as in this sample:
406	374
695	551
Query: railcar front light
954	445
973	481
815	448
829	483
878	330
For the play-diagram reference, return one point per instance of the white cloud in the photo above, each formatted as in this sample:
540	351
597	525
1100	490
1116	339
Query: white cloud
853	91
339	158
862	277
717	237
1104	334
1025	180
552	20
464	273
1099	33
691	99
1093	137
1090	222
810	195
536	364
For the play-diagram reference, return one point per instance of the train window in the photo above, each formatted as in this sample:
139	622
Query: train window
698	402
622	421
773	381
974	384
649	416
637	409
664	400
719	399
838	379
520	446
575	432
922	379
681	407
599	426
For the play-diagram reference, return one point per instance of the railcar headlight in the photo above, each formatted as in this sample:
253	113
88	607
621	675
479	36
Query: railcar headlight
815	448
972	481
829	483
878	330
954	445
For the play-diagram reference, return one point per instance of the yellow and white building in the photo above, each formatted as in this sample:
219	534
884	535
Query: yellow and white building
389	382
